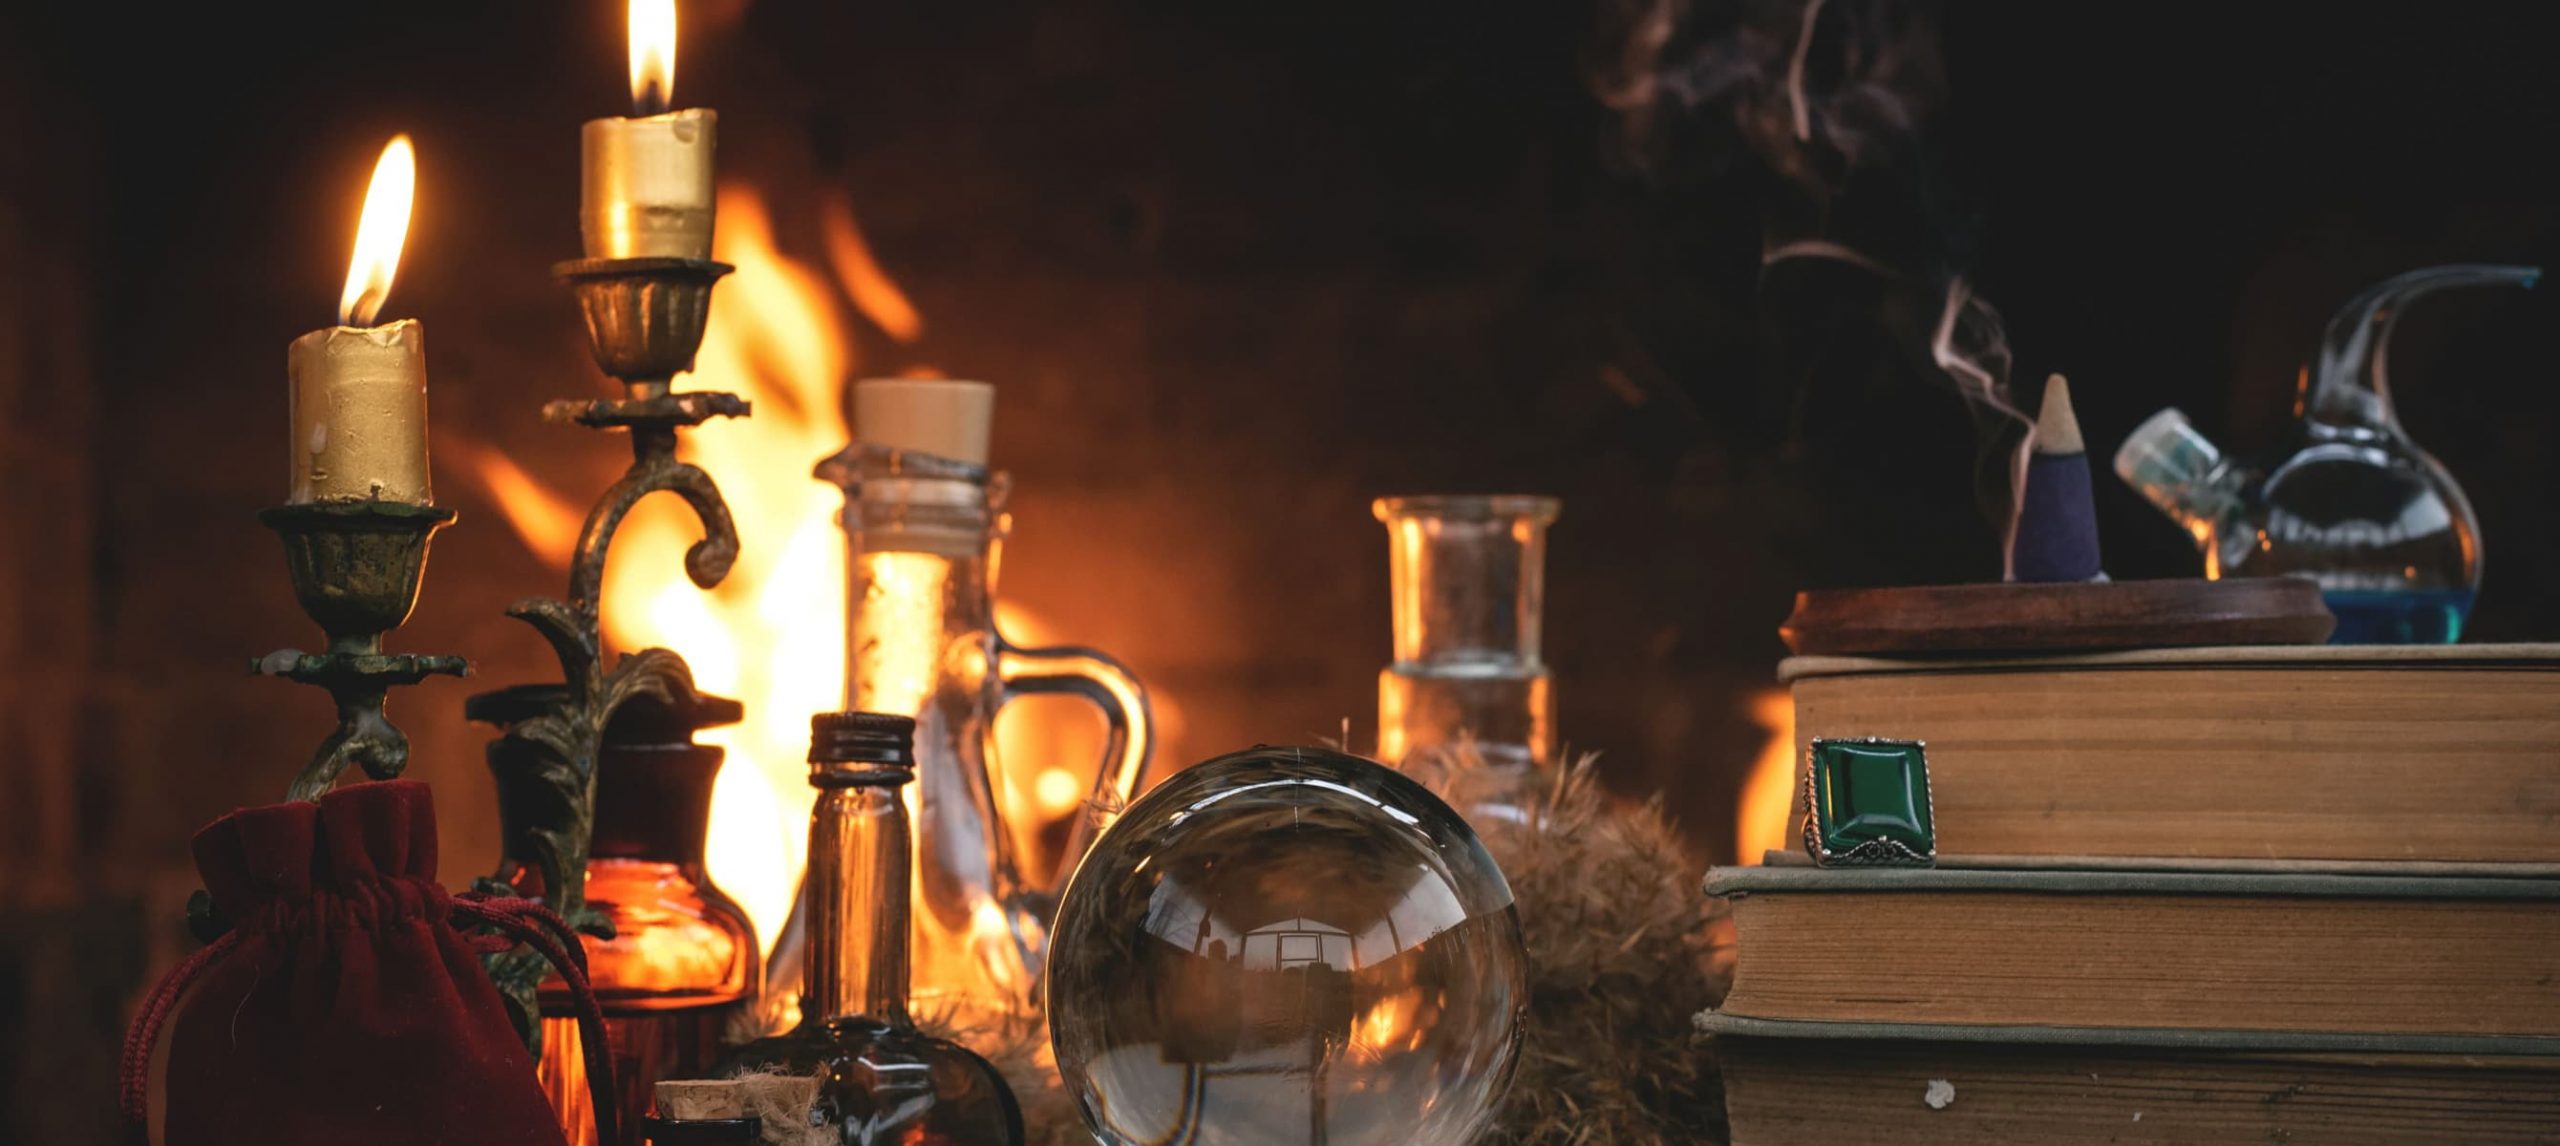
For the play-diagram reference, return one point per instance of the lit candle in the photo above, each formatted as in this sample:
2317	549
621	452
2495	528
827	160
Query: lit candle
645	187
359	390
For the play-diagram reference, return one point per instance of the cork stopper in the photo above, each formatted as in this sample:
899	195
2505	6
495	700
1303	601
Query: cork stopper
700	1100
939	416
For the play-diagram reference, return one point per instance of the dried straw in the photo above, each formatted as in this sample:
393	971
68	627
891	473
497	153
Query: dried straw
1623	950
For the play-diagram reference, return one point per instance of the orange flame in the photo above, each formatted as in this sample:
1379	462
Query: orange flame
1390	1024
380	233
1769	790
653	56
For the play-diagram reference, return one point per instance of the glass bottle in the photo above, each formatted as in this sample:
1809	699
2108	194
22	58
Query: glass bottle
1467	697
2347	499
880	1080
926	533
682	963
705	1131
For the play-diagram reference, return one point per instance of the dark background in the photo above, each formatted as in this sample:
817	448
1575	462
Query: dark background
1237	269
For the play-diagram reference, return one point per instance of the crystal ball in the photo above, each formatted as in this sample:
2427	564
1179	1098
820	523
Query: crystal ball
1287	945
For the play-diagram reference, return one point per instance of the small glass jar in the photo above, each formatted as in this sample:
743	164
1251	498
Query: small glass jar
683	959
1468	692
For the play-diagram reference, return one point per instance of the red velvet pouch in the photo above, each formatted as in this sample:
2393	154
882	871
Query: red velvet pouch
344	1005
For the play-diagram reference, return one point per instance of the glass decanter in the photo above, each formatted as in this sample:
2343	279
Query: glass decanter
880	1080
1467	701
682	963
926	533
2347	499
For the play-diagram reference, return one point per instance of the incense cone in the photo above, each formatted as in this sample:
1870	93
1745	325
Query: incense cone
2057	538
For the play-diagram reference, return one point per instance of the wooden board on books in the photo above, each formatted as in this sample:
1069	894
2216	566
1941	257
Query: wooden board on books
2015	617
2444	754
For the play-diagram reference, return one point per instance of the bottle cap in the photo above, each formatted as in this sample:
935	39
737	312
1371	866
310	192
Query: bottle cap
862	738
2164	453
938	416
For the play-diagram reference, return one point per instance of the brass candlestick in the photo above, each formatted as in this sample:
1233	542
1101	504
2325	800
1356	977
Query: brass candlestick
645	320
356	567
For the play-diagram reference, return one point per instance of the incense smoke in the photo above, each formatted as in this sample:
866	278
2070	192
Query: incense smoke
1837	100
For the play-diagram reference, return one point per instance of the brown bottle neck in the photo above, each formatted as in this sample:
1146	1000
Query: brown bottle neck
653	802
857	896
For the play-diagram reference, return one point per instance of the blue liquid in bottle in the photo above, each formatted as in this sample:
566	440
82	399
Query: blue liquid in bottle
2404	617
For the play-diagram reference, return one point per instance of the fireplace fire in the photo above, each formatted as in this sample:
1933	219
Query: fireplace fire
1235	272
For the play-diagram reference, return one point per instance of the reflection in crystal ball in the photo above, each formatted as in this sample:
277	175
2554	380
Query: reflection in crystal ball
1287	945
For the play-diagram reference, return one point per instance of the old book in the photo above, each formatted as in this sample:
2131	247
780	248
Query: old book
2342	954
1790	1083
2444	754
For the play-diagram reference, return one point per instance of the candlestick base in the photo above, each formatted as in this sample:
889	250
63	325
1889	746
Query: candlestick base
645	320
645	317
356	567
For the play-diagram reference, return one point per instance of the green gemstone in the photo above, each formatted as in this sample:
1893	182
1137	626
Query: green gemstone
1872	792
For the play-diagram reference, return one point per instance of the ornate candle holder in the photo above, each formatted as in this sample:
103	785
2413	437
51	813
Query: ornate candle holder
356	567
645	319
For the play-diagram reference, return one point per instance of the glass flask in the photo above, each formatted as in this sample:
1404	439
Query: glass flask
1467	582
926	533
705	1131
880	1080
1287	945
682	962
2347	499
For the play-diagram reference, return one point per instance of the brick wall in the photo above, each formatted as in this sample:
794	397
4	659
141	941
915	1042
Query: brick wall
71	948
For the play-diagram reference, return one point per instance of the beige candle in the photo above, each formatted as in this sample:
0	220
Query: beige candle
360	414
358	395
645	182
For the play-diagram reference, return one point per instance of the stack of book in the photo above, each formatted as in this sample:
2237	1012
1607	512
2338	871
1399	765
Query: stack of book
2242	894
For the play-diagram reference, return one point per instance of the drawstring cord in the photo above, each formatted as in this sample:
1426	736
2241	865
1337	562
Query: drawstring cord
133	1081
528	921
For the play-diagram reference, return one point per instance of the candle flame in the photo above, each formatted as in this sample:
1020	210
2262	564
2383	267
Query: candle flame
380	232
653	56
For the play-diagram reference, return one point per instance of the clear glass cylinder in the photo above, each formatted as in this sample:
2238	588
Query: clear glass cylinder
1468	584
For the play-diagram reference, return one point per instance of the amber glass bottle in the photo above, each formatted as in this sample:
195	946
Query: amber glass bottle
880	1080
683	958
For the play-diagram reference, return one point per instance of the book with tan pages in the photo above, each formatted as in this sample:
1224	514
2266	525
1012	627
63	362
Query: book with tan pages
2309	756
2345	955
1790	1083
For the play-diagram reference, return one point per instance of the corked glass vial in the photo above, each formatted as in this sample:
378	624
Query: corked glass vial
878	1078
702	1113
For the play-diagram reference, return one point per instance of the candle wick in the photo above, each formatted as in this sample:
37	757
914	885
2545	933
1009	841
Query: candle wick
652	99
368	306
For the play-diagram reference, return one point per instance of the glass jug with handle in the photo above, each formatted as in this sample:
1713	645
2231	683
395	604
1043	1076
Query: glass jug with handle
925	535
2347	499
